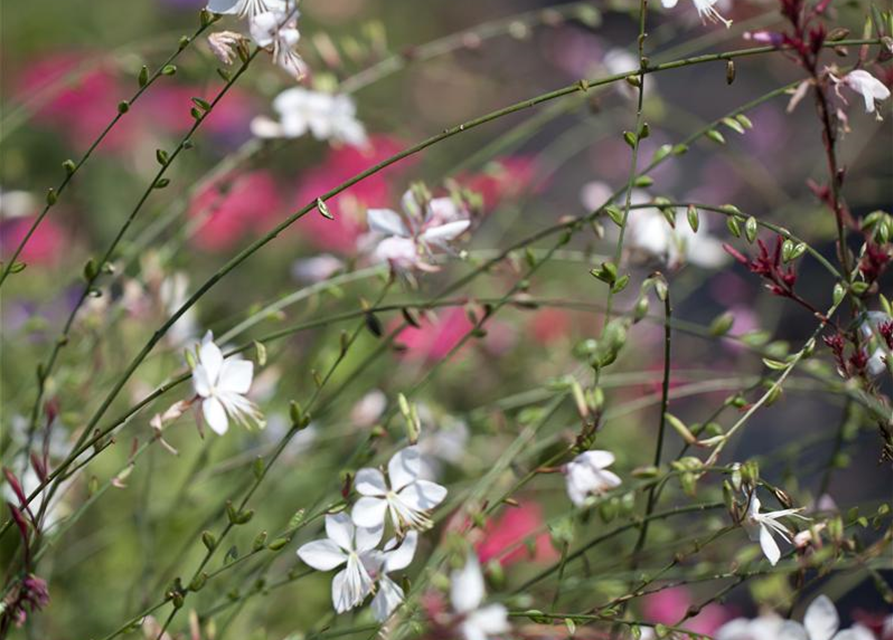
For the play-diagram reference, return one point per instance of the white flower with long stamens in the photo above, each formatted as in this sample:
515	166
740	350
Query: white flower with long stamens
466	594
404	495
277	30
821	622
763	527
349	546
587	475
222	384
706	10
877	361
324	115
871	89
395	556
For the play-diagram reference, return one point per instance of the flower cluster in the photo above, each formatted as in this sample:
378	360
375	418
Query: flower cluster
324	115
403	499
410	241
272	25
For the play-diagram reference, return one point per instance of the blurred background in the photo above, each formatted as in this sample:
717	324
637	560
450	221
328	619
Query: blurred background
414	68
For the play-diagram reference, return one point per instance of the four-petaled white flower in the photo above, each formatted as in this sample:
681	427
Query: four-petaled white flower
871	89
820	623
466	594
222	385
395	556
345	545
705	8
408	240
404	495
326	116
587	475
278	29
761	527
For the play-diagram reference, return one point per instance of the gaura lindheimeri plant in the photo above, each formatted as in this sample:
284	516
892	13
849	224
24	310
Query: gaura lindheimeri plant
222	385
403	496
712	328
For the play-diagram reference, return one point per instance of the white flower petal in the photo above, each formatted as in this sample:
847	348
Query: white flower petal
368	537
211	359
597	458
821	619
467	586
369	512
370	482
404	467
322	555
770	547
225	6
200	382
340	530
387	222
215	415
445	232
386	601
235	376
422	495
490	619
402	556
789	630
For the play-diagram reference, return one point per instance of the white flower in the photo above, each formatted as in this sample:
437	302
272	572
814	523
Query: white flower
405	496
761	527
877	361
587	475
222	385
619	60
369	408
872	89
443	442
820	623
241	8
16	204
395	556
224	45
649	232
345	545
705	8
324	115
278	29
408	239
467	593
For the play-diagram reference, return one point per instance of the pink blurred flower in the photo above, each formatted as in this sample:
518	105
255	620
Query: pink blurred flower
231	210
44	247
549	325
83	107
434	341
670	605
504	537
341	234
503	179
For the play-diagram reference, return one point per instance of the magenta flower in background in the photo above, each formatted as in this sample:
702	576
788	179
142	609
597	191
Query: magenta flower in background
80	108
169	108
44	246
503	179
504	538
230	211
670	605
434	340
